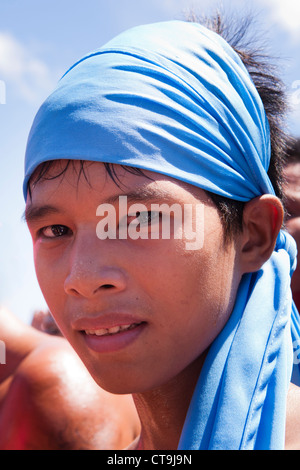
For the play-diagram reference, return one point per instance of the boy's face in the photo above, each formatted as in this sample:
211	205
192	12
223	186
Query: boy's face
139	312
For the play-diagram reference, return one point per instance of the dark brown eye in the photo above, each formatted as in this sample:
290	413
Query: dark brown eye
54	231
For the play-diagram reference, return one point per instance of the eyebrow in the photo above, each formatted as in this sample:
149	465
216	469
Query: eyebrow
34	213
143	194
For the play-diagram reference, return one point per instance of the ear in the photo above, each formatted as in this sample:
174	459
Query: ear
262	220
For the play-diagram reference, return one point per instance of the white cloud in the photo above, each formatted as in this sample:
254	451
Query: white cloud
287	14
30	76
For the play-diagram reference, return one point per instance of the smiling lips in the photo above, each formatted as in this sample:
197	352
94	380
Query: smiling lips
113	338
111	331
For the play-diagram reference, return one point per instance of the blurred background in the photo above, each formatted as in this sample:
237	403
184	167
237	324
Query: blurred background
39	40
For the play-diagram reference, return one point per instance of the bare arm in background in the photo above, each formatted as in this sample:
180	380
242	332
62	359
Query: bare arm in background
49	401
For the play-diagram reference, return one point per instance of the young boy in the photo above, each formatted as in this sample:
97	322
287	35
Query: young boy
153	203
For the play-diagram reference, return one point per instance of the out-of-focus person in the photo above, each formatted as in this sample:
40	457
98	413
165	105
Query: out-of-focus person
48	401
292	203
43	321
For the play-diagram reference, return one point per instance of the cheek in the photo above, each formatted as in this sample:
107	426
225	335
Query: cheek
196	305
198	293
50	276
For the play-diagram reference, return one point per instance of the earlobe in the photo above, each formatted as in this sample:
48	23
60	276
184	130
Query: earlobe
262	220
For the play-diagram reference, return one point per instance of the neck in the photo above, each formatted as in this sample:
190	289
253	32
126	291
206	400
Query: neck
162	411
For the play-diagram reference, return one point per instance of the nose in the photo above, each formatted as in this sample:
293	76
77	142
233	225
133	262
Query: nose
93	269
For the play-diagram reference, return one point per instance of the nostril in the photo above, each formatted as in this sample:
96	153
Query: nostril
88	282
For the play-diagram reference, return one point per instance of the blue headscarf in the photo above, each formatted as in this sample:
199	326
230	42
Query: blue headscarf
174	98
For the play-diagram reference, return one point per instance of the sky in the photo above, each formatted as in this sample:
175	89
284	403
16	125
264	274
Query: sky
40	40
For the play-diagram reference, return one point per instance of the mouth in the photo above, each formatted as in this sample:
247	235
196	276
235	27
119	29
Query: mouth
112	331
113	338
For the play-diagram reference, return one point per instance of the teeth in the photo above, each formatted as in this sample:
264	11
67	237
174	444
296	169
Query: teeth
110	331
113	330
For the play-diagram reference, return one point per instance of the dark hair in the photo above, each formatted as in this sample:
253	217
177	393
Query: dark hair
42	171
271	91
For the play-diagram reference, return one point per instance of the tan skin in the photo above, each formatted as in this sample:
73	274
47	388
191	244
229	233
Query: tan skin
48	401
292	192
152	283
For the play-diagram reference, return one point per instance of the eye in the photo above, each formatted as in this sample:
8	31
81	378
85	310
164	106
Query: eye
54	231
147	217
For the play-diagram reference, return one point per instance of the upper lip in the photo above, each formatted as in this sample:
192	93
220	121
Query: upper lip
105	320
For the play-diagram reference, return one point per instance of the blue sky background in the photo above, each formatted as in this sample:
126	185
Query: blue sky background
39	40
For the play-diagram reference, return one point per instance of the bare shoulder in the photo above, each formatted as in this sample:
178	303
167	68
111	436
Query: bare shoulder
67	408
292	439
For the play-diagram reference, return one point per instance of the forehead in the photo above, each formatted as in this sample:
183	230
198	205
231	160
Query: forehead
84	178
